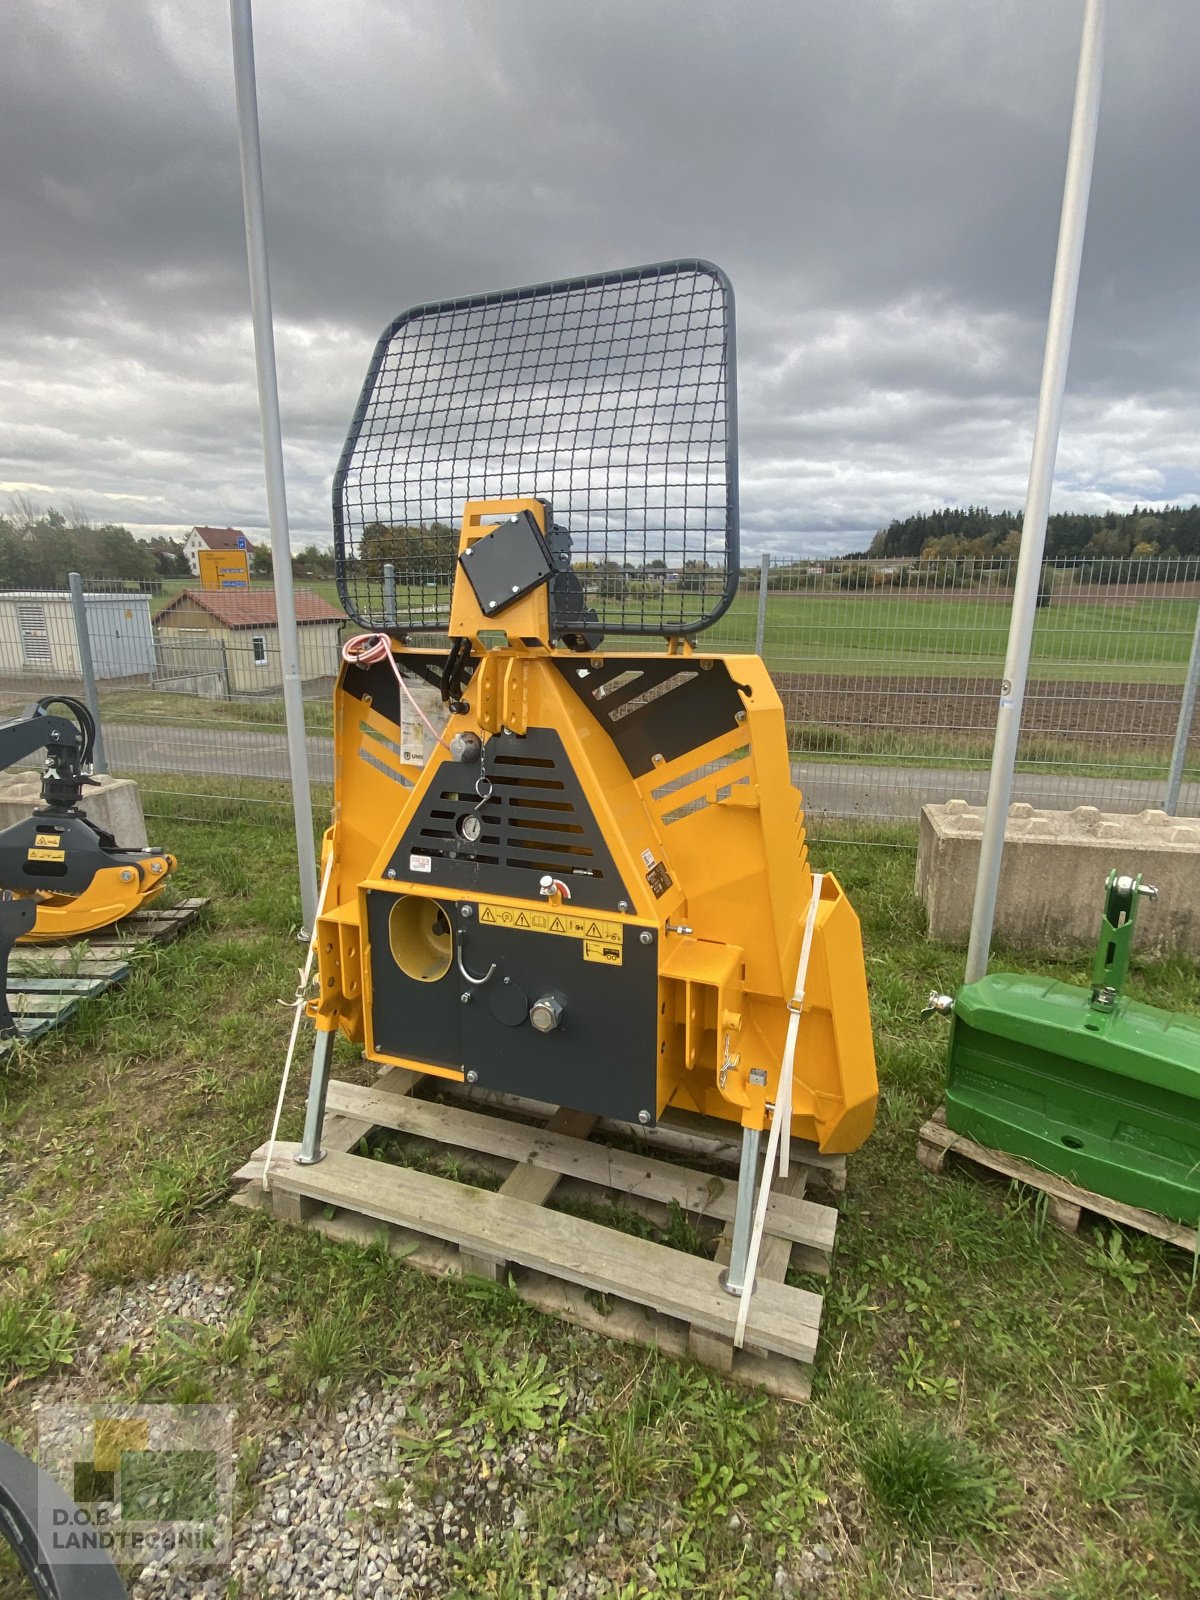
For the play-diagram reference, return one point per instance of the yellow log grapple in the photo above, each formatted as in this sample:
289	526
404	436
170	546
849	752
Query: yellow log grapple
60	872
594	889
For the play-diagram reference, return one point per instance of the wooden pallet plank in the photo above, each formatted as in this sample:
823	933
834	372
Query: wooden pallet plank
343	1130
677	1132
533	1184
1065	1200
795	1219
614	1318
83	967
64	985
782	1320
50	960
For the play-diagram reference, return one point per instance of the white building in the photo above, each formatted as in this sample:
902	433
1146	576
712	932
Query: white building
213	539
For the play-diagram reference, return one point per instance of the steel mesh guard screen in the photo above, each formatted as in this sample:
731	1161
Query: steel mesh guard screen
613	397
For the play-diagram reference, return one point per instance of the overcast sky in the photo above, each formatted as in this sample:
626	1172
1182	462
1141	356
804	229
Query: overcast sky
880	178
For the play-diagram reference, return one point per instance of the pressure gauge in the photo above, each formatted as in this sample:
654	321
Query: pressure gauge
471	827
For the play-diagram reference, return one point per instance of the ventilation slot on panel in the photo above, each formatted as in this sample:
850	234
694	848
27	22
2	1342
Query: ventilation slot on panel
658	691
527	829
501	825
693	791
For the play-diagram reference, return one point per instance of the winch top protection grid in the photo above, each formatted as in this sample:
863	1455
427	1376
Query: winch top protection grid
612	397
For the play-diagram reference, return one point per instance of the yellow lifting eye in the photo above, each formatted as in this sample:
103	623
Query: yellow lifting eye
420	938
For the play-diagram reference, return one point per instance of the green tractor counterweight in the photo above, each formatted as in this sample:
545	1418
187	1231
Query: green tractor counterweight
1096	1087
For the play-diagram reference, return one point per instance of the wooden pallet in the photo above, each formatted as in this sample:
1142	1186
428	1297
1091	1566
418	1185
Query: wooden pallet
586	1272
1066	1202
47	983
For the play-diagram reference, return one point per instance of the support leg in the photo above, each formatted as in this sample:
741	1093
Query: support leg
310	1151
16	917
734	1279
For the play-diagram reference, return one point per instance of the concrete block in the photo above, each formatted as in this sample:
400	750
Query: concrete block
116	805
1053	873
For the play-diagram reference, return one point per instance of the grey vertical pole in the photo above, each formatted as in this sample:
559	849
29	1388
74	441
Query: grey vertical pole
1183	728
760	627
86	668
734	1279
389	593
1041	476
268	405
310	1151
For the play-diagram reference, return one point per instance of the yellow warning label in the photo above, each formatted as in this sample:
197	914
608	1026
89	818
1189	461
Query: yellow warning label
46	841
608	955
46	855
568	924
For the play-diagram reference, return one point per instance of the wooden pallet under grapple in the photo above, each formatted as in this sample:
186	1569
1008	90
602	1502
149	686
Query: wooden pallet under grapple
1066	1202
587	1272
47	983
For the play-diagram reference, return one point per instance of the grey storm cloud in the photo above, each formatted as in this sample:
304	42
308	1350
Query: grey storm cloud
881	181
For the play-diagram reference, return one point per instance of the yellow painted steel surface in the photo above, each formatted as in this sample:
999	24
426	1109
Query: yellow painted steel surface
723	818
112	894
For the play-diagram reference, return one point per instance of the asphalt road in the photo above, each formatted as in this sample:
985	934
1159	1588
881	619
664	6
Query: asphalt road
831	790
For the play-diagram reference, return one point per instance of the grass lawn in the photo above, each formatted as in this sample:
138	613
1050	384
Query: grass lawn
1143	640
999	1409
884	633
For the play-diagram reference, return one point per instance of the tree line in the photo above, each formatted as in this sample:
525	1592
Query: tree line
39	548
955	533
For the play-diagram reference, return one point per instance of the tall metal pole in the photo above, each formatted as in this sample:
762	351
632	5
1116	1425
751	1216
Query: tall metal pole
1183	728
760	628
1041	476
268	406
87	671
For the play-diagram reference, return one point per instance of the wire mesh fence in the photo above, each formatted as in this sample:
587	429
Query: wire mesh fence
610	396
889	672
189	685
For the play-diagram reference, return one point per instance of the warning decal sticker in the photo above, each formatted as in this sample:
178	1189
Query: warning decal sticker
608	955
597	932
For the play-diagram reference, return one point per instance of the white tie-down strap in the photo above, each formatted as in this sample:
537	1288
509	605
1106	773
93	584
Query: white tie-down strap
779	1142
298	1016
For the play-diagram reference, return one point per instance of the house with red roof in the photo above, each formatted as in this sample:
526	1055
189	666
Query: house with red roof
232	637
213	539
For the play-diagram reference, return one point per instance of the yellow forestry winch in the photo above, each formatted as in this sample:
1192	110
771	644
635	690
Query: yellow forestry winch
595	892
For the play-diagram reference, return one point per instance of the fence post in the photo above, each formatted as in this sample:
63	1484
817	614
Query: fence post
87	671
389	593
760	629
1183	728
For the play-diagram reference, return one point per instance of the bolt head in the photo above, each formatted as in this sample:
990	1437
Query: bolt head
465	997
546	1014
622	905
643	1117
391	872
127	876
645	937
466	911
472	1077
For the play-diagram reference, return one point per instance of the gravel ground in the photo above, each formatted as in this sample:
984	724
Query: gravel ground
329	1509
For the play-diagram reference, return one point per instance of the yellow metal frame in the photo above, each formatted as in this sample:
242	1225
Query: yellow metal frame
724	818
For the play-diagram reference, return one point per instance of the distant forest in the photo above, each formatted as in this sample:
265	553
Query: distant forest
1070	535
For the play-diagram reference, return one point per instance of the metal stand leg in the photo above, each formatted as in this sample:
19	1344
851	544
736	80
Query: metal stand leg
310	1151
733	1280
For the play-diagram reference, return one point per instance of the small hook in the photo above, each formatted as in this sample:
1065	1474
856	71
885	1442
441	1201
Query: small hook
458	956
